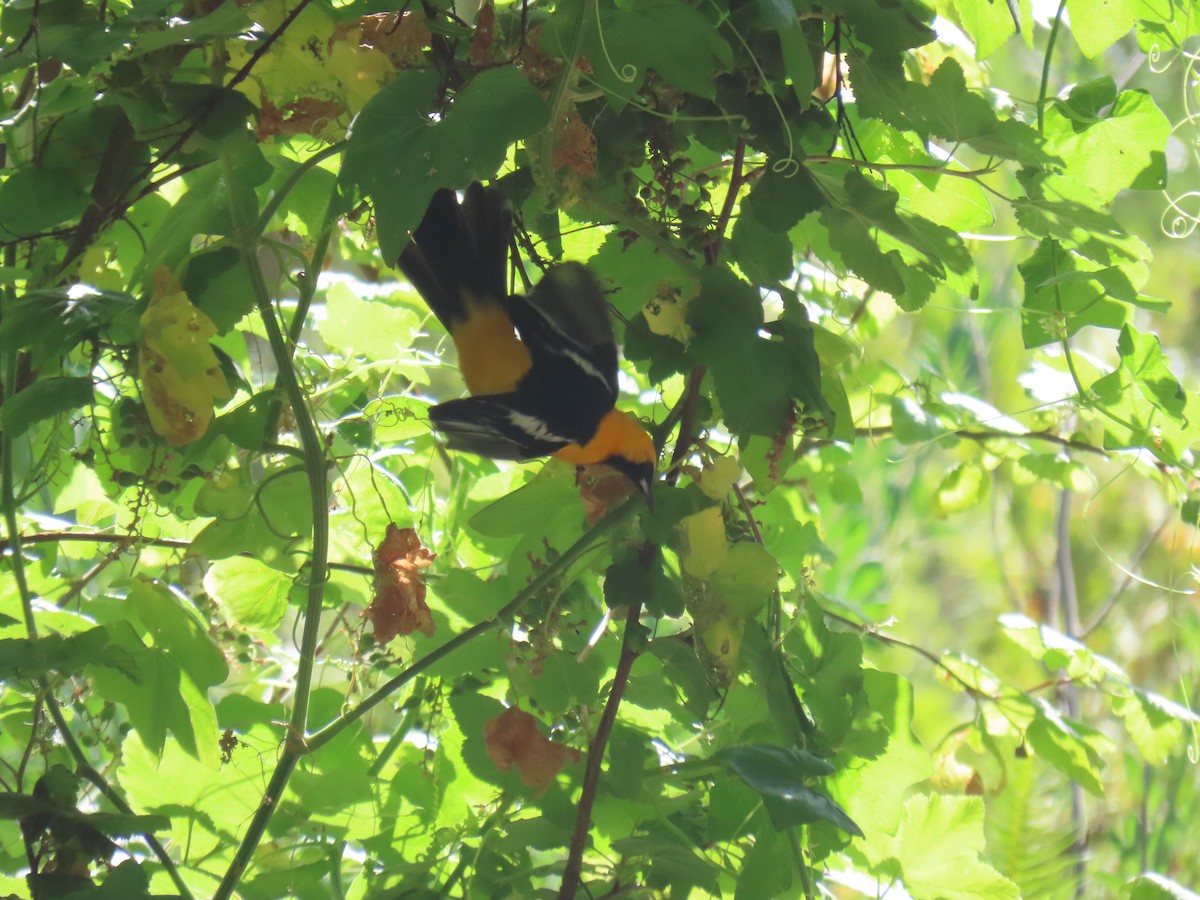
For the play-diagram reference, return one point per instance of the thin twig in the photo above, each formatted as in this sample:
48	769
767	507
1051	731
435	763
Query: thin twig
77	587
980	435
1068	607
940	169
712	249
591	774
103	537
1120	590
871	631
687	423
241	75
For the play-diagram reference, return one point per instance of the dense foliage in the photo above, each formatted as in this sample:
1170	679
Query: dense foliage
904	292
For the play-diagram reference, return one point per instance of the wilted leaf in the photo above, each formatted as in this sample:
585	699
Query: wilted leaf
398	607
513	739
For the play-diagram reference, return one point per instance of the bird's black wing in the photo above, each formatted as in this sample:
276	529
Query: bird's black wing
564	323
497	426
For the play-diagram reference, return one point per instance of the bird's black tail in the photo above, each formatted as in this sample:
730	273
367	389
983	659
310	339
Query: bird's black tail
460	251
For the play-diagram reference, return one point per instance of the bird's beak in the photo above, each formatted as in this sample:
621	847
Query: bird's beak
646	486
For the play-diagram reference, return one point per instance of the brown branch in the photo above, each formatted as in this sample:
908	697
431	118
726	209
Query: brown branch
687	422
712	250
591	774
77	587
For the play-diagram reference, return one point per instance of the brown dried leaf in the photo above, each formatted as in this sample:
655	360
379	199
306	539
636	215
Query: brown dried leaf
403	38
537	66
480	53
307	115
398	607
574	146
512	738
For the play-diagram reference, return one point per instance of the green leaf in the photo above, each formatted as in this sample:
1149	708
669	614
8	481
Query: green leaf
1057	651
628	578
1059	469
34	200
765	871
745	577
768	764
830	673
1097	26
678	685
162	698
894	251
639	275
246	427
367	327
778	774
757	380
46	322
566	683
223	21
1147	406
726	307
1104	155
1081	227
764	255
1155	723
890	25
65	654
782	197
879	759
964	486
530	507
987	22
1153	886
206	801
285	504
248	592
1069	746
44	399
1142	356
938	848
179	631
671	37
913	425
395	141
219	285
1063	294
946	108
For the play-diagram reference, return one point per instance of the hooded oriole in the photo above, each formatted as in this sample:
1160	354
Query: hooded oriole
542	368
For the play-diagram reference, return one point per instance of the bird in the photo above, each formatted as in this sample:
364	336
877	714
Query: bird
541	368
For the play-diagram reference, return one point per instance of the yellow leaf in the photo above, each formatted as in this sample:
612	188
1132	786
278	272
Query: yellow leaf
667	316
705	542
718	477
180	374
